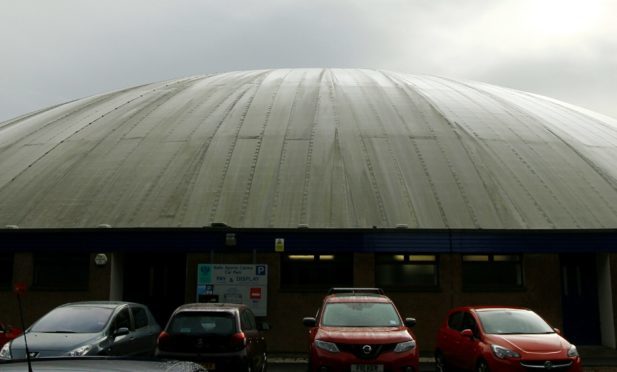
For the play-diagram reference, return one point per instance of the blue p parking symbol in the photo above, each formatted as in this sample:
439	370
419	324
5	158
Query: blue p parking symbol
260	270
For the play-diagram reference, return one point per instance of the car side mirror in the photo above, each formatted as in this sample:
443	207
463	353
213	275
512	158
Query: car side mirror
410	322
467	333
309	322
264	326
122	331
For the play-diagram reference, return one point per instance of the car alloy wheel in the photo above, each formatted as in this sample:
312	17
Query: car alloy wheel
440	363
264	364
482	367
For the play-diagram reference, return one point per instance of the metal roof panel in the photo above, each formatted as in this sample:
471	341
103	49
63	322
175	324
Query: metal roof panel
323	148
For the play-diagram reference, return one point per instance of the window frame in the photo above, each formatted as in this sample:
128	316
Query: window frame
407	260
334	270
7	262
477	259
81	275
455	321
124	310
138	309
247	321
469	322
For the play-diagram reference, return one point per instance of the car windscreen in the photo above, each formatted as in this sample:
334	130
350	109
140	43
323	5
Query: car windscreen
73	319
211	323
513	322
360	314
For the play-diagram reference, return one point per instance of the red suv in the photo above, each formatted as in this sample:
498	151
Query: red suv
360	330
501	338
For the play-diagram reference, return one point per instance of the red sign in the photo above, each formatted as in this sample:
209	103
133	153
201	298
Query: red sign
255	293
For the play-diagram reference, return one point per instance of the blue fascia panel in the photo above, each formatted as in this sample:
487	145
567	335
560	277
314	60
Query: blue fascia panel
311	240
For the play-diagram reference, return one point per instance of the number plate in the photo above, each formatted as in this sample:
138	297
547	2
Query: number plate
367	368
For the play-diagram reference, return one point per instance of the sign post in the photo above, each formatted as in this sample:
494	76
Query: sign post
20	289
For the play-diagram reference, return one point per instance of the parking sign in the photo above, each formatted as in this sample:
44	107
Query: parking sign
245	284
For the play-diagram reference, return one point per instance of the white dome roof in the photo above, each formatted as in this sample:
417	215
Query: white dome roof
327	148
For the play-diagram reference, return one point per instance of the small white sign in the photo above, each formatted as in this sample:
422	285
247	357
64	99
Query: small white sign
279	245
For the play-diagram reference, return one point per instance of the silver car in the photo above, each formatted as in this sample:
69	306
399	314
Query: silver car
88	328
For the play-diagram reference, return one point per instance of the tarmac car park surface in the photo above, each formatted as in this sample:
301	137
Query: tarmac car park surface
99	364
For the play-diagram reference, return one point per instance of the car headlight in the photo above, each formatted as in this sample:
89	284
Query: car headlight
328	346
572	352
503	353
405	346
5	352
83	350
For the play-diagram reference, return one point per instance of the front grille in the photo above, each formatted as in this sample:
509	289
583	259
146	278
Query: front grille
359	350
552	365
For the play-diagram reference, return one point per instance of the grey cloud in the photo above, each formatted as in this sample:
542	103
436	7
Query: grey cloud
67	49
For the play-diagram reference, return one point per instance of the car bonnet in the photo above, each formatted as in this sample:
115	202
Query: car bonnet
47	344
352	335
531	343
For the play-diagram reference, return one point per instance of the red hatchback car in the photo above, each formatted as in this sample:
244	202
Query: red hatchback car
7	333
499	339
360	330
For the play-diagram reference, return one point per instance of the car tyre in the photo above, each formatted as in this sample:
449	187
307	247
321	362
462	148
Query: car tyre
440	363
482	367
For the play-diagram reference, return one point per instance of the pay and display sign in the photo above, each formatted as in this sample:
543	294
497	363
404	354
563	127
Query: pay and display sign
242	284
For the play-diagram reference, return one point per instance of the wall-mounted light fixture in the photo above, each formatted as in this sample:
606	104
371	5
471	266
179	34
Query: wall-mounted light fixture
301	257
100	259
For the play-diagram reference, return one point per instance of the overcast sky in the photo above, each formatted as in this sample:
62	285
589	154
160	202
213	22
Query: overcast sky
53	51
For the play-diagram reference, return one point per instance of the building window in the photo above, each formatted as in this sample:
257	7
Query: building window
317	272
6	270
61	271
407	271
492	272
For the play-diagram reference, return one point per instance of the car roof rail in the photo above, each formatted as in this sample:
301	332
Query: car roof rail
338	290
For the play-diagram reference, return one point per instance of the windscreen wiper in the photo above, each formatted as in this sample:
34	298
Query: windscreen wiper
512	333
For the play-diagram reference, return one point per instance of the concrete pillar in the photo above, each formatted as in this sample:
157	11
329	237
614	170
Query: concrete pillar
605	301
116	279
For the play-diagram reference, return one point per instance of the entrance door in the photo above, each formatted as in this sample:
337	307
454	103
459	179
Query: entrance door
579	282
156	280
